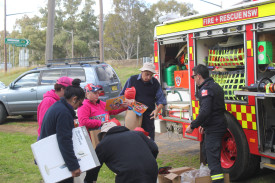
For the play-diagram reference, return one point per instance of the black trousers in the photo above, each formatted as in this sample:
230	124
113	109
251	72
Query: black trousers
212	151
69	180
88	179
148	124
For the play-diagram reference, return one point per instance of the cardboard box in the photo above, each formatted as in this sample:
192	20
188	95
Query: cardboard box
132	120
175	176
207	179
175	173
160	126
51	163
163	179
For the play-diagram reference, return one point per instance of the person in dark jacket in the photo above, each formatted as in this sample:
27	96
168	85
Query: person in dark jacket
59	120
211	119
129	154
148	92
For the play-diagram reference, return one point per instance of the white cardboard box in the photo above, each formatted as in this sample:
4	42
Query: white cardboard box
51	163
160	126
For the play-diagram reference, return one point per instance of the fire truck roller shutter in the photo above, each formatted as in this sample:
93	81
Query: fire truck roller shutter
235	156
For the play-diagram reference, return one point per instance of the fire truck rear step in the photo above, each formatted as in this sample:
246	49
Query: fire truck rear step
267	165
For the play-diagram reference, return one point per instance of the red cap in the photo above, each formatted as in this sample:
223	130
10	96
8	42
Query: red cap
114	120
130	93
92	88
139	129
65	81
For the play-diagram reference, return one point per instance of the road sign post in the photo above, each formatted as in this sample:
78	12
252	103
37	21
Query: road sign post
17	42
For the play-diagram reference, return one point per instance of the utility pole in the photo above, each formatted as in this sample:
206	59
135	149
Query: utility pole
72	43
50	31
5	33
137	48
101	43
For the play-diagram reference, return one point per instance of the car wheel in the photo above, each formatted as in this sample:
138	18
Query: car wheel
27	116
235	156
3	114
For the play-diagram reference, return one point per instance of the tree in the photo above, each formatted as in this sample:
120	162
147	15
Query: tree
122	29
133	18
31	30
164	7
82	22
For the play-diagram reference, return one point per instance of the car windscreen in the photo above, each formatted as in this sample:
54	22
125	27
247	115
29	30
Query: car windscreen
105	73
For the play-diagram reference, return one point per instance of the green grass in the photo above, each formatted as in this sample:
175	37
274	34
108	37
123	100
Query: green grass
125	72
23	124
16	159
12	74
16	162
175	160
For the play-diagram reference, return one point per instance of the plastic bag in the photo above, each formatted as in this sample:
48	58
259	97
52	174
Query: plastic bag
189	177
204	171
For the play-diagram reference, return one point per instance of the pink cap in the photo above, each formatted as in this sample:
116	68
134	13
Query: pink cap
65	81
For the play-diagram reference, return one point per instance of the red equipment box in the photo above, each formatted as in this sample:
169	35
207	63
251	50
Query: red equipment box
181	79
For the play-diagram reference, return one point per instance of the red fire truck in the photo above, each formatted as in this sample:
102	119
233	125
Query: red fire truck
237	45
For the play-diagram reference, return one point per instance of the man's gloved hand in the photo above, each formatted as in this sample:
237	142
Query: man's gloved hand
189	130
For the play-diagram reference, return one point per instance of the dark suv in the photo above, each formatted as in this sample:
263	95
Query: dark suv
24	94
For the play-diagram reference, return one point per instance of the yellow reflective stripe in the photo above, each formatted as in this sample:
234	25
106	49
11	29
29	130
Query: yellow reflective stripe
217	176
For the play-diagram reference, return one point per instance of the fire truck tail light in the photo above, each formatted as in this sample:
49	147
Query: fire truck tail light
252	140
261	48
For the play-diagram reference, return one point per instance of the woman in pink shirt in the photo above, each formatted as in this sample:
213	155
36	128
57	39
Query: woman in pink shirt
50	97
92	113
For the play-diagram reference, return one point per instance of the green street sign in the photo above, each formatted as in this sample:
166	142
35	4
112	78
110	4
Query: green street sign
17	42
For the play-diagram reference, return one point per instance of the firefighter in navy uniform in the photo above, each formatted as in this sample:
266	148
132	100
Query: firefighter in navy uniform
211	119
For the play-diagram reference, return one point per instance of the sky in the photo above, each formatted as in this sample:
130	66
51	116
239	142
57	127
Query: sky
33	6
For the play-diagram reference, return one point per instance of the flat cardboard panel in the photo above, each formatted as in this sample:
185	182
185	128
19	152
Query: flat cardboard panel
94	138
175	173
180	170
51	163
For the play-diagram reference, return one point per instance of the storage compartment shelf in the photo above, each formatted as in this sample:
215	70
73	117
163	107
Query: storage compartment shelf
172	88
178	102
256	94
176	119
228	67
